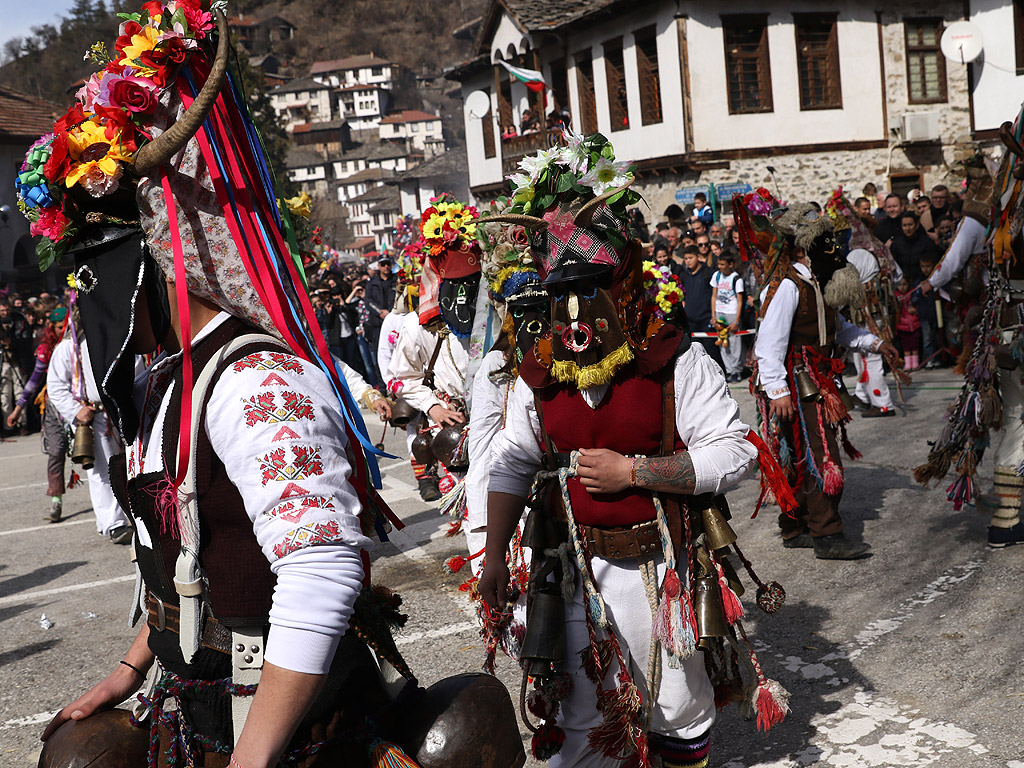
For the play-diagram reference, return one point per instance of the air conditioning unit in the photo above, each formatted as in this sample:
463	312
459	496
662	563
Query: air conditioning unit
920	126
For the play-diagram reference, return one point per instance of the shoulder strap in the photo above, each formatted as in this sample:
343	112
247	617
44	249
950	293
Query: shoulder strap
549	448
428	374
673	504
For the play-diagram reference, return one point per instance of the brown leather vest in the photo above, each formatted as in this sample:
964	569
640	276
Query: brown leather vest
804	331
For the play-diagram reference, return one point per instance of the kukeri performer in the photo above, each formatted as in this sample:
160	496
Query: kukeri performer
798	384
247	477
993	394
630	431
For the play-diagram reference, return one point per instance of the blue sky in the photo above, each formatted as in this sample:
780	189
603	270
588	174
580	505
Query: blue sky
18	17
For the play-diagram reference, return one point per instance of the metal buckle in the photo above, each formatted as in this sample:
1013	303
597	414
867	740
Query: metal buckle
161	615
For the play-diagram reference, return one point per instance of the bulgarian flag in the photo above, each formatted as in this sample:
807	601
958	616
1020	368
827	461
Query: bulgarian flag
531	78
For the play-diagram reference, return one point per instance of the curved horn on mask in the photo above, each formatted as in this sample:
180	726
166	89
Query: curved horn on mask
1006	134
586	213
522	219
157	152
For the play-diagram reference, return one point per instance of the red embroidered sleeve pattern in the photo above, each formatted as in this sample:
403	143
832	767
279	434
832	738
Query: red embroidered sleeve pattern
306	462
269	361
292	511
308	535
264	408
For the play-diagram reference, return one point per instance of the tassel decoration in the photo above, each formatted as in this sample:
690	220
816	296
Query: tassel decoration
455	563
833	407
771	702
773	479
74	480
675	623
547	741
770	597
831	478
385	754
730	603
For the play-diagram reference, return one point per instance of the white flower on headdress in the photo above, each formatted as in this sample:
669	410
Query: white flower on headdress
522	187
537	164
574	154
607	174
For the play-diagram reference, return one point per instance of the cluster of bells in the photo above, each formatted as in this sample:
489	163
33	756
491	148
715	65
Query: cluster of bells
543	645
442	445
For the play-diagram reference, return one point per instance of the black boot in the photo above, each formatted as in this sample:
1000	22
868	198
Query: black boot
838	547
430	489
800	541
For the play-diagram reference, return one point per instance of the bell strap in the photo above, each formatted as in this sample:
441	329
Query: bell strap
188	574
247	649
819	302
428	374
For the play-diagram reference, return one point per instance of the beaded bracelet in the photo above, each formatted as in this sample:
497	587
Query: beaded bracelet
632	473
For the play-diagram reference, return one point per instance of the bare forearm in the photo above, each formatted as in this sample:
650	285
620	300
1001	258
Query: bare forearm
668	474
503	513
281	701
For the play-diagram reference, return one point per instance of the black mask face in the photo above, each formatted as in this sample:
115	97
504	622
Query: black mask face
457	299
826	256
530	321
112	269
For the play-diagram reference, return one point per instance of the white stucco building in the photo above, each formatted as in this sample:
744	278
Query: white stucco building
413	127
696	93
302	101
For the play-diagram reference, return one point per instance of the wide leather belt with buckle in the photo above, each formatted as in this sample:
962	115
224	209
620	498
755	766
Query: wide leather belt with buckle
163	616
623	543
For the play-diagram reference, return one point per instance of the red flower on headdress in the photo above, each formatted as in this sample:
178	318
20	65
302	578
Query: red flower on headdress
59	162
74	116
154	8
128	29
428	213
130	95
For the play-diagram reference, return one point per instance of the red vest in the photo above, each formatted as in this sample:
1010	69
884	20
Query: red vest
628	420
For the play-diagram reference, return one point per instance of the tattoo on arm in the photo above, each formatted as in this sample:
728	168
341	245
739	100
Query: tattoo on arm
670	473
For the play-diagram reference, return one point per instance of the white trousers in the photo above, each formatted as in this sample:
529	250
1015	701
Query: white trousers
732	356
1009	448
685	707
874	391
108	513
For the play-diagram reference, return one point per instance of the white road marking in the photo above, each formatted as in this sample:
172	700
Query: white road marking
19	487
451	629
20	722
23	596
25	455
47	527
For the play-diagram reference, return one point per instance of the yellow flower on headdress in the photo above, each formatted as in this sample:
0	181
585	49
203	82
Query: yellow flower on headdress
91	151
146	40
72	282
433	227
300	205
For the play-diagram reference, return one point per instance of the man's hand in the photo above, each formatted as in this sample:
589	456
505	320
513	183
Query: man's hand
493	583
13	416
890	353
85	415
106	694
446	417
926	287
603	471
733	327
383	313
782	409
383	408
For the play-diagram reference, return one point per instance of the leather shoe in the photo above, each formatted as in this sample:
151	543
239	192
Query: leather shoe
861	405
429	489
838	547
800	541
874	413
1005	537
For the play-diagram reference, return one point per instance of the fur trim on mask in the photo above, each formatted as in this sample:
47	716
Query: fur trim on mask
845	289
795	223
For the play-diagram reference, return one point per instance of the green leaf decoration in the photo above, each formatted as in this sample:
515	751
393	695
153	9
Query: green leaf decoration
566	181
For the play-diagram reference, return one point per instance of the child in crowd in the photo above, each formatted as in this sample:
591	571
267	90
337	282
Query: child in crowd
726	302
928	309
908	325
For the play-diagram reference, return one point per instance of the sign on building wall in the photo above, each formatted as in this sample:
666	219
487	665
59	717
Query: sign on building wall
685	195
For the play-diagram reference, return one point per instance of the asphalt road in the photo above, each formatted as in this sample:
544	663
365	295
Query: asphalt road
909	658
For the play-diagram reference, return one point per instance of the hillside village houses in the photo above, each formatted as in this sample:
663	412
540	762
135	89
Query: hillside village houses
696	93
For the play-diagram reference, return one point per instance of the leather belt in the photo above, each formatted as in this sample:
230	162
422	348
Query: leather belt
623	543
164	616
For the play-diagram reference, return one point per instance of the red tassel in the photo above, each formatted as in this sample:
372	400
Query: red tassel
863	378
547	741
831	478
730	603
384	754
772	476
74	480
454	564
833	407
166	507
772	704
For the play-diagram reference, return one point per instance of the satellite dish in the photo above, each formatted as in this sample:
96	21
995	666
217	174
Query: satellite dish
477	103
962	42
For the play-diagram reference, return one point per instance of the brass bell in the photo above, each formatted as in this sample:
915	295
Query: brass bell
806	389
83	452
717	531
707	603
544	640
421	447
538	532
844	395
446	448
731	576
401	413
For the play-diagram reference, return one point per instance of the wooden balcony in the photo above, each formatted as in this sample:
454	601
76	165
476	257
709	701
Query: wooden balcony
515	148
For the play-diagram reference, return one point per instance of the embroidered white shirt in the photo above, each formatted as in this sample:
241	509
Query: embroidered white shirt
412	356
485	421
273	420
968	240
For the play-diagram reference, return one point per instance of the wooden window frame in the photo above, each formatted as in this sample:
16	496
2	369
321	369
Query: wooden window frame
487	126
1018	34
764	71
614	55
585	91
649	76
940	66
833	89
559	69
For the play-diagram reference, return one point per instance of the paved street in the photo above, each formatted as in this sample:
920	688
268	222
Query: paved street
910	658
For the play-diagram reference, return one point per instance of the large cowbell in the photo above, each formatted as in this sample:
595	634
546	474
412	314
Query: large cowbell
112	270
